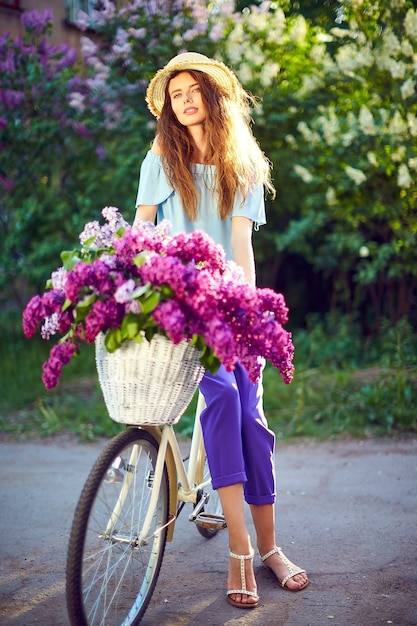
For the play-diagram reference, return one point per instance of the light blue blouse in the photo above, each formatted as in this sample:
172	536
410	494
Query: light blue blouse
154	188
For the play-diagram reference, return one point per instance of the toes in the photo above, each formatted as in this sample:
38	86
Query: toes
297	581
242	599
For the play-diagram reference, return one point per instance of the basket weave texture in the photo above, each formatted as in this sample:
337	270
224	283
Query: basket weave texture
148	383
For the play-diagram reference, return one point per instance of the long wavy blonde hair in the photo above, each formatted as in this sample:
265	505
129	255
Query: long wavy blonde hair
231	147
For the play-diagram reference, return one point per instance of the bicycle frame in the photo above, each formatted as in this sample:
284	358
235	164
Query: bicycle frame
189	480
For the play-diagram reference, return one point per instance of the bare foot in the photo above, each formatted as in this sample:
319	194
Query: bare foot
234	581
290	576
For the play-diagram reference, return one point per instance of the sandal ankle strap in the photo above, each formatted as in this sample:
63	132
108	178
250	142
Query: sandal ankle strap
275	550
241	556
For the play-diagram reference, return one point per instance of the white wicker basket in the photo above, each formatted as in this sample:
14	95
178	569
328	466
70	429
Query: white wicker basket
148	383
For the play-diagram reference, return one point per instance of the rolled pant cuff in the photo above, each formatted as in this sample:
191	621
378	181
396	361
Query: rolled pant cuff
259	500
226	481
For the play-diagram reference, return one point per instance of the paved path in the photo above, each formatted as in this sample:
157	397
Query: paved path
346	511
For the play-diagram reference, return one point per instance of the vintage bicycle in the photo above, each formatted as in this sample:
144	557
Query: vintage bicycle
136	489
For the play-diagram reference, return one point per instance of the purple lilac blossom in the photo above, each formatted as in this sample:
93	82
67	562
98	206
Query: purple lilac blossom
7	183
92	229
52	301
65	321
104	235
100	277
207	297
220	338
7	64
136	240
197	247
68	59
81	130
169	316
60	355
37	20
11	99
102	317
164	270
32	315
101	153
76	279
275	303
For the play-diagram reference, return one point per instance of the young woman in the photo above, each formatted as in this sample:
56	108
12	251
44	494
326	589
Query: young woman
206	171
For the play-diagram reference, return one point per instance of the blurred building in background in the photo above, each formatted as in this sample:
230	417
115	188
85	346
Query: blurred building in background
64	17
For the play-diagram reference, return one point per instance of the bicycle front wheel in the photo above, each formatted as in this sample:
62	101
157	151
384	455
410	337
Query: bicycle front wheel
112	569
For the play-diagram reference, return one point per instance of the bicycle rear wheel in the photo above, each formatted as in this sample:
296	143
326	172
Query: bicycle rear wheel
110	575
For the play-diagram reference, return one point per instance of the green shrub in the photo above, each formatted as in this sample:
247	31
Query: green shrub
342	385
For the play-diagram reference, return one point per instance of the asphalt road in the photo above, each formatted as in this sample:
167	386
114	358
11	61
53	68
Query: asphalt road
346	512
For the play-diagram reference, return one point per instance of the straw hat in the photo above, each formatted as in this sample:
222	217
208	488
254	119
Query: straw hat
222	75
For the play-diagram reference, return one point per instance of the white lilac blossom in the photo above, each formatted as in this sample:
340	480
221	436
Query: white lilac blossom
399	154
371	156
50	326
299	29
350	58
410	24
412	124
309	135
404	178
331	197
330	127
408	89
58	278
356	175
397	125
268	73
366	121
303	173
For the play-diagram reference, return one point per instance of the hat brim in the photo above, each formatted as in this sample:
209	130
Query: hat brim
219	72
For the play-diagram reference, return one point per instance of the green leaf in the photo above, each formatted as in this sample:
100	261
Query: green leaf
141	290
85	305
130	326
150	302
66	304
113	339
140	259
70	258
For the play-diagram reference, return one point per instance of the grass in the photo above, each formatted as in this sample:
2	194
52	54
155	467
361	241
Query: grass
343	385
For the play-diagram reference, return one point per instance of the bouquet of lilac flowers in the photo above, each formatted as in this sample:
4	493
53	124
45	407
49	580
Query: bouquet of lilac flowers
130	283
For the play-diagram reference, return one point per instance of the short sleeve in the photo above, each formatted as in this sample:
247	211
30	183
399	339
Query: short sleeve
154	187
253	208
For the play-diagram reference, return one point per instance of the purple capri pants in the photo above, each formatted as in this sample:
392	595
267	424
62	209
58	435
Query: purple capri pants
239	444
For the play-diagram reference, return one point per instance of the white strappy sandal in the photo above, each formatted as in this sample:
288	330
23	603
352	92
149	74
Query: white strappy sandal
291	571
242	605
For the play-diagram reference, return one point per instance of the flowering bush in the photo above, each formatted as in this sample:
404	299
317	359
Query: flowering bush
133	282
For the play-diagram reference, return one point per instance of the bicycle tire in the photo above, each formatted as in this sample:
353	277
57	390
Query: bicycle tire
213	506
110	579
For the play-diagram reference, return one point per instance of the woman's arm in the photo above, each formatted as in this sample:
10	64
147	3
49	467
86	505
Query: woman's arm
145	213
241	243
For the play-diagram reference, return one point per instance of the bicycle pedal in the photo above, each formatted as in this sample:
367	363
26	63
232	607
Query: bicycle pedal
209	520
